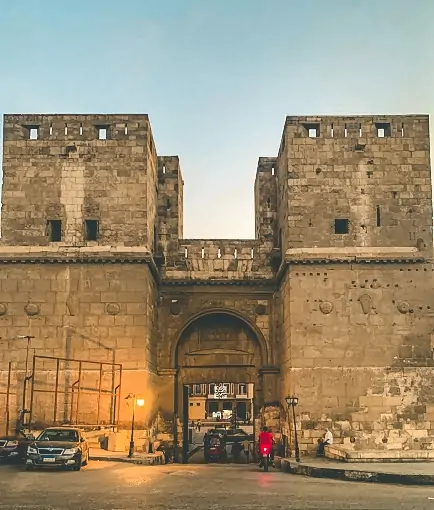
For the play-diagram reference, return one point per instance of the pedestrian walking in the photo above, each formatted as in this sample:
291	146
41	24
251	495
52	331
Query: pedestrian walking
246	448
198	425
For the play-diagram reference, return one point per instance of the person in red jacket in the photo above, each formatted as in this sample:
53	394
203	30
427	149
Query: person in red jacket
266	440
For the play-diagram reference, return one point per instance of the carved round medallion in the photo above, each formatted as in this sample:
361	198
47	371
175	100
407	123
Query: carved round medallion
31	309
113	308
175	308
403	307
260	310
326	307
3	308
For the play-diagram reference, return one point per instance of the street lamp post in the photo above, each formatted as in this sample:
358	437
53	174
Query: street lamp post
293	401
140	403
29	338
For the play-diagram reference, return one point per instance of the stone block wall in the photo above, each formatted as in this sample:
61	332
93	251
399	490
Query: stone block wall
55	167
339	168
266	225
90	311
170	206
358	349
226	259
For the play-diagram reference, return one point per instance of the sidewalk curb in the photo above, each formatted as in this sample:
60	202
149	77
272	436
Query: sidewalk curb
351	475
136	460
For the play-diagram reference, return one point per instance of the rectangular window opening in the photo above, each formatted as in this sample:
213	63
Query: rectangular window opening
342	226
360	131
185	253
66	129
219	254
378	216
383	129
81	129
126	129
272	170
346	131
51	129
332	131
54	231
91	230
252	253
402	129
102	133
203	253
164	169
235	253
312	130
33	133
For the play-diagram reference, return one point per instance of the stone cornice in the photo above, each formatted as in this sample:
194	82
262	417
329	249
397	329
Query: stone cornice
63	254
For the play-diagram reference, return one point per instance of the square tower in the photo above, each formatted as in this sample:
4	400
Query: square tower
79	179
355	182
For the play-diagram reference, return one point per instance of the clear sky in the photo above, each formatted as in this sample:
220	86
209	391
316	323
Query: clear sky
217	77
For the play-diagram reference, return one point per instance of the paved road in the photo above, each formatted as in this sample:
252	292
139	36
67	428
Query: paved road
110	485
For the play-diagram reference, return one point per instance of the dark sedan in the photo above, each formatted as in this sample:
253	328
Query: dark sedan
58	447
13	448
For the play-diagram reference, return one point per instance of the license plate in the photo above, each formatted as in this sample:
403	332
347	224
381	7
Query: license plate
48	459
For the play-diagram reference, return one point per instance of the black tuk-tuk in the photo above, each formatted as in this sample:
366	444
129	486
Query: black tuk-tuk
214	447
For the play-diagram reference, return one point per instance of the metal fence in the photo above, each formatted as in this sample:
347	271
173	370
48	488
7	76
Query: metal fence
73	391
5	400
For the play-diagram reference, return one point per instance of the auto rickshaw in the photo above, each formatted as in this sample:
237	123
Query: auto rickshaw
214	447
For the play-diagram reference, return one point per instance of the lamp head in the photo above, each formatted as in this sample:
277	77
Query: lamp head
291	401
140	402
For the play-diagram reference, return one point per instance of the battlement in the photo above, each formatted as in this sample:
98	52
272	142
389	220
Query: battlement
40	129
220	259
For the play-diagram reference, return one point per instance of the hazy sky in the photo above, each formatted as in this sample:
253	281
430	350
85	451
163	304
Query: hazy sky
217	77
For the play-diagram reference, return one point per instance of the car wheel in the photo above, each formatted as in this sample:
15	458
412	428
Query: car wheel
77	467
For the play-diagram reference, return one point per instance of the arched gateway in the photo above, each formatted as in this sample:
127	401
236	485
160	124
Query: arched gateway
217	346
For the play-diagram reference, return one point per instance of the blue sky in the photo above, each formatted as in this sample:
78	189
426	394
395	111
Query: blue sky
217	77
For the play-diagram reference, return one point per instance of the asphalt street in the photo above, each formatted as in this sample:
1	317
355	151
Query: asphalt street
112	485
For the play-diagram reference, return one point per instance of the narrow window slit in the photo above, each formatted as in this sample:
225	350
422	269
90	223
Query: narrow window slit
66	129
402	129
235	253
251	254
203	253
164	169
126	129
346	131
185	253
268	203
219	254
272	170
332	131
51	129
378	216
81	129
360	130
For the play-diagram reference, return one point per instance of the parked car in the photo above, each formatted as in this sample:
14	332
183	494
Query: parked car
13	448
58	447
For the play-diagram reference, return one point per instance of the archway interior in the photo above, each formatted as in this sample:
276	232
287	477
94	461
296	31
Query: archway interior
218	361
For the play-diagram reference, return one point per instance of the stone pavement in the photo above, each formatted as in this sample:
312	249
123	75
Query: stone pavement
406	473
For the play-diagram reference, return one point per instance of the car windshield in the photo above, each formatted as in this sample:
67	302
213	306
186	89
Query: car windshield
59	435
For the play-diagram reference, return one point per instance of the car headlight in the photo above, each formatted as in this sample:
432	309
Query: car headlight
70	451
12	443
30	449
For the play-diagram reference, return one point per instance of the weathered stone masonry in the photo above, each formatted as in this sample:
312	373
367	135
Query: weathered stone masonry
332	301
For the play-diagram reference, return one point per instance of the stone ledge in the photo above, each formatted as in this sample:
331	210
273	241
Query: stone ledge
149	459
370	475
338	452
356	254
